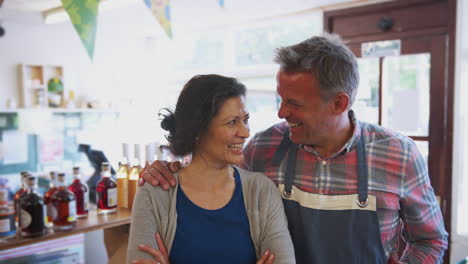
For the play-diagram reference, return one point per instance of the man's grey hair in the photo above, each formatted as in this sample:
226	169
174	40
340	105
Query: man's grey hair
328	58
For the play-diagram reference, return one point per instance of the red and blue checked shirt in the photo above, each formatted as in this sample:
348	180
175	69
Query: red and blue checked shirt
398	177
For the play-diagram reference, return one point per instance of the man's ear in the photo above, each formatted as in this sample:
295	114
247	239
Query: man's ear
341	102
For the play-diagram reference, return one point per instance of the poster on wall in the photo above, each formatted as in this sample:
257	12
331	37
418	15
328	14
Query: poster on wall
51	148
15	147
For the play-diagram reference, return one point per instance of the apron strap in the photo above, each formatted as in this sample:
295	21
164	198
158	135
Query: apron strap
290	170
287	146
362	171
282	149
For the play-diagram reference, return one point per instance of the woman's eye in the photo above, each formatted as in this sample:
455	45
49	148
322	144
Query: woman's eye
232	122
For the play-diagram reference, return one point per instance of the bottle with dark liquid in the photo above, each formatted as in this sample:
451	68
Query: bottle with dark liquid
64	202
21	192
81	192
106	191
51	212
32	211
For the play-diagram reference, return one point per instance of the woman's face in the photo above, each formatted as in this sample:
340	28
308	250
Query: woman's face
224	140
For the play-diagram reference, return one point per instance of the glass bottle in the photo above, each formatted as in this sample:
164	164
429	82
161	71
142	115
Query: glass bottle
106	191
122	179
32	211
51	212
64	203
81	191
7	214
134	175
21	191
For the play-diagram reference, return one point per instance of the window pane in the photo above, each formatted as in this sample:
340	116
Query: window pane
263	109
192	53
423	147
366	105
257	45
405	93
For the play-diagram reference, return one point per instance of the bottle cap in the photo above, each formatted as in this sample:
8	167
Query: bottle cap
25	174
31	181
105	165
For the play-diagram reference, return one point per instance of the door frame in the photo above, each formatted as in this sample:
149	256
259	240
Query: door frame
411	27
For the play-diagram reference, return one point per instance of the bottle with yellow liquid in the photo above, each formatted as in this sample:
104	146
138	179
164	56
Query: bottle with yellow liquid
134	175
122	179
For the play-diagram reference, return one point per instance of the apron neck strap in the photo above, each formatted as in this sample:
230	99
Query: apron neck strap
362	170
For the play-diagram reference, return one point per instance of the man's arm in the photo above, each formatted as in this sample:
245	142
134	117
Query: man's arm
424	229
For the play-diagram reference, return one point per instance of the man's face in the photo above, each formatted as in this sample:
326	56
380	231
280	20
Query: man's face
307	114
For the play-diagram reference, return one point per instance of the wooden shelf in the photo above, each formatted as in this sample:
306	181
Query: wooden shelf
91	223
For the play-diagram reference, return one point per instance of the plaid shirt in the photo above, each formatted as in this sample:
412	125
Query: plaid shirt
398	177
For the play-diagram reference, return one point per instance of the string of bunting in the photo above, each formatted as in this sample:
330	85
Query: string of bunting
83	15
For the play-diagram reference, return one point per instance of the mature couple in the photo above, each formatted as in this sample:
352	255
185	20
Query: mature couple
348	190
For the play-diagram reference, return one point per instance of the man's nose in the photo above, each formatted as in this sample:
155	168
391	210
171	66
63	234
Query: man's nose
283	112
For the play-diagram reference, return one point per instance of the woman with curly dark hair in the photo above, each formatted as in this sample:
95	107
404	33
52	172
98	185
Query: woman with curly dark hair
217	213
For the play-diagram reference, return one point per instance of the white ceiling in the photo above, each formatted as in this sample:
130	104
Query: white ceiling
185	12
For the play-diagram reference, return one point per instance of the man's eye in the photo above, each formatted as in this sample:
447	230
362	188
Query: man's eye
294	104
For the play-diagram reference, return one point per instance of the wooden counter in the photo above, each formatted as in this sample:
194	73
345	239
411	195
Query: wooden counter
83	225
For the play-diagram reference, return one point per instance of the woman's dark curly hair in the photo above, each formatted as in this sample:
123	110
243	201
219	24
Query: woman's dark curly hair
199	101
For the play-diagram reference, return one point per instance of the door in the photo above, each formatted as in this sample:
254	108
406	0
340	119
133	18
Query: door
408	88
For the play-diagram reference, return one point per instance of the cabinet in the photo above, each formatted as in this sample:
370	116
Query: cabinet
33	84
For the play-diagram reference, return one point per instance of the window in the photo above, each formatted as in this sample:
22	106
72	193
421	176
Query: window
243	51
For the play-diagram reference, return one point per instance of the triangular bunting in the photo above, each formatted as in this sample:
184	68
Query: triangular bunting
83	15
161	10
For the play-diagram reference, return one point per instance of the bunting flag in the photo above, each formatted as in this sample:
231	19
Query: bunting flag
221	3
83	15
161	10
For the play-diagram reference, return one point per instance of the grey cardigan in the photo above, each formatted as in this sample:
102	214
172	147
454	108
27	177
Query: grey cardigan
154	210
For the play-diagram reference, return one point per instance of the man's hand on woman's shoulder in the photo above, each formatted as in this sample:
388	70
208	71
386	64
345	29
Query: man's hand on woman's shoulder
159	173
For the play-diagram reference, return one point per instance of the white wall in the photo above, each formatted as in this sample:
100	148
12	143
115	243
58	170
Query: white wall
38	44
120	63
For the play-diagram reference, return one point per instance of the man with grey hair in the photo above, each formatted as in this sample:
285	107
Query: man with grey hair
350	189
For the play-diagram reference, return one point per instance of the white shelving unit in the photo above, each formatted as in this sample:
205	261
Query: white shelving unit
33	85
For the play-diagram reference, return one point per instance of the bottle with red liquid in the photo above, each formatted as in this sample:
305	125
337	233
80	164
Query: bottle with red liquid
81	192
64	202
21	191
106	191
51	212
32	211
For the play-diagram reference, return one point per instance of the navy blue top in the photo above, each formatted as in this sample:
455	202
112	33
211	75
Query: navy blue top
212	236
